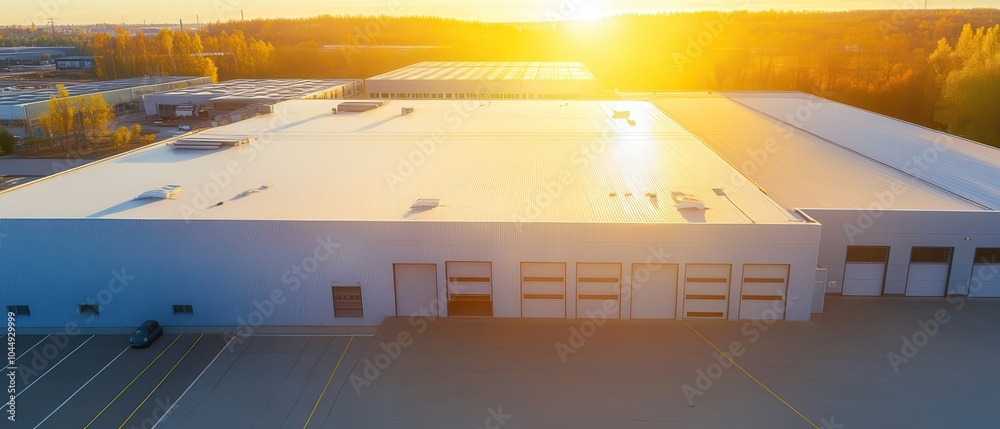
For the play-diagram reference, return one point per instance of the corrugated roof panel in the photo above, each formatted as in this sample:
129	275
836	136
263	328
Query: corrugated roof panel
795	168
505	161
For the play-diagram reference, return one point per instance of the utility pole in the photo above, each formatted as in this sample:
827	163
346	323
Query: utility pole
182	26
241	14
52	24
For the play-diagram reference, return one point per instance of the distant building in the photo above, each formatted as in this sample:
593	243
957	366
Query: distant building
237	94
20	110
485	80
75	63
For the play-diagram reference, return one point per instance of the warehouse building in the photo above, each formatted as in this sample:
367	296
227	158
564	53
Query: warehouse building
20	110
485	80
237	94
585	209
905	210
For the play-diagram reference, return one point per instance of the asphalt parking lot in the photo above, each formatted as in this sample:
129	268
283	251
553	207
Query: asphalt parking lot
836	371
97	381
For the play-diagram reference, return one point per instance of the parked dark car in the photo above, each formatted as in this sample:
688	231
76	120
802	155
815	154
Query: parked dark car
148	332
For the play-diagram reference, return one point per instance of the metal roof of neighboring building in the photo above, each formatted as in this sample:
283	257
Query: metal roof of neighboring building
490	71
260	89
500	161
808	152
29	96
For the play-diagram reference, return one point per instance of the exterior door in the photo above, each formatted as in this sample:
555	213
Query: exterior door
543	289
470	289
986	274
598	290
764	290
654	291
928	272
706	291
416	289
864	270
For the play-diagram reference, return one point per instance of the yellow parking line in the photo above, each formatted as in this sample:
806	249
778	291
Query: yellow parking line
327	383
161	381
133	381
752	377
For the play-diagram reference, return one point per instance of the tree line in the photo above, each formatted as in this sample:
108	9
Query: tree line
937	68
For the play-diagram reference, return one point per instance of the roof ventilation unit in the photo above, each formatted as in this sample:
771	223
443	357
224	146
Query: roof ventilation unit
620	114
687	201
211	143
164	193
425	203
359	106
407	110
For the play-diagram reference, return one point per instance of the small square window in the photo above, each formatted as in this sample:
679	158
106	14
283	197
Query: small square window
347	301
19	310
183	309
92	309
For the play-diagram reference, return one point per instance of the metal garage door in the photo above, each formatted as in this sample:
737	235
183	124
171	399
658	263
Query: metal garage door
654	291
928	273
864	270
706	291
764	290
986	274
470	289
416	289
543	289
598	289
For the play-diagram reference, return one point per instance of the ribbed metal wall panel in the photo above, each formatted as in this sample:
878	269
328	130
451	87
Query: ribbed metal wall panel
227	269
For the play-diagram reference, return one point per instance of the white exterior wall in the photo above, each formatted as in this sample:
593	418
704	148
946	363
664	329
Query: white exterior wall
223	268
900	230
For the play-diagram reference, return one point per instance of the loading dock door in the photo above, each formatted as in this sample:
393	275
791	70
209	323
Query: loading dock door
764	290
416	289
543	289
654	291
864	270
985	278
706	291
598	290
928	273
470	289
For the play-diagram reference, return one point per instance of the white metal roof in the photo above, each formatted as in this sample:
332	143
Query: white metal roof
490	71
138	84
832	155
500	161
958	166
265	89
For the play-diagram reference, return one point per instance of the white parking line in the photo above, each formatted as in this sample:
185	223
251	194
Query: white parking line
81	387
311	335
53	367
167	413
25	353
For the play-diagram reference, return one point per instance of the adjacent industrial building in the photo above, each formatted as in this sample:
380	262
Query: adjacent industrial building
233	95
21	109
485	80
905	210
334	212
